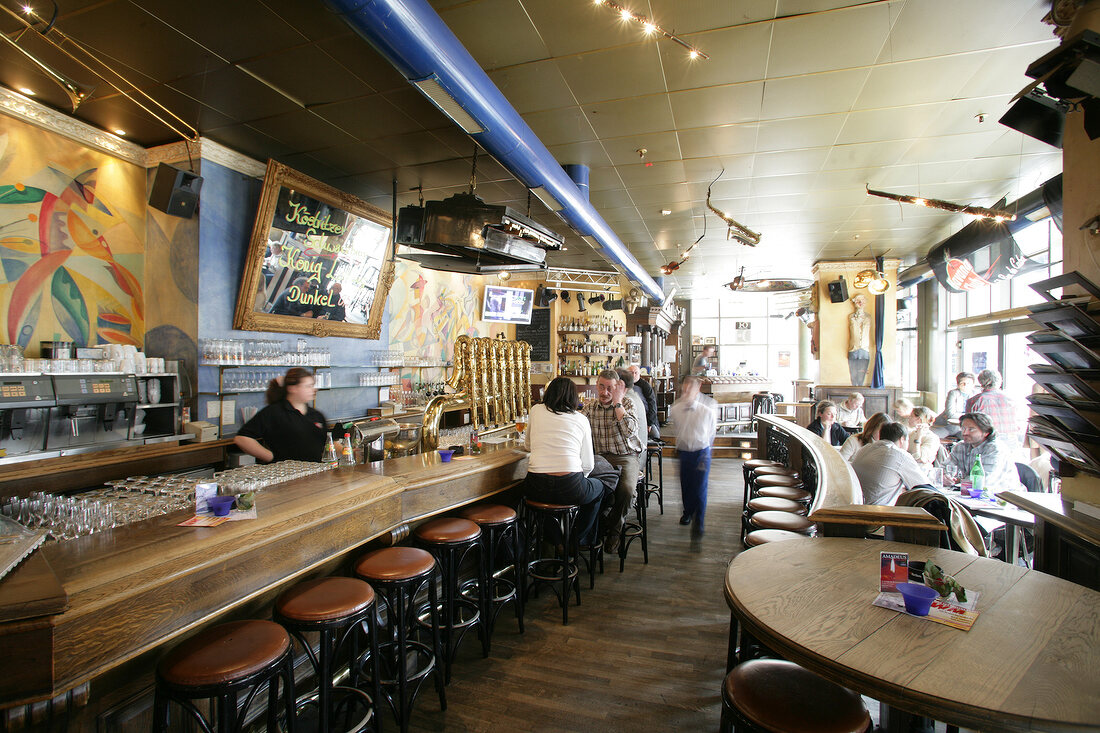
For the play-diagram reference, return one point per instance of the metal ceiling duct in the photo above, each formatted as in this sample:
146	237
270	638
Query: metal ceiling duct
412	37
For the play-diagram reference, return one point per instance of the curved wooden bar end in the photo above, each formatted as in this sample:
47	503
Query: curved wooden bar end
132	590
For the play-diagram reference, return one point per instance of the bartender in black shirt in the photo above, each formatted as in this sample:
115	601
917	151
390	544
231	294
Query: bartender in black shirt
291	429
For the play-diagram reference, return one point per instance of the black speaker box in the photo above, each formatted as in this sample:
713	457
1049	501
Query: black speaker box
175	192
838	291
1037	116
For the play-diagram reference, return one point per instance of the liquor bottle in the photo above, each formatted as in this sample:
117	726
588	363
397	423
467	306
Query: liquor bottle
329	456
347	457
977	478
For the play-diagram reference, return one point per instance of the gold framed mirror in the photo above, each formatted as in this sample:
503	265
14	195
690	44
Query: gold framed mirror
320	261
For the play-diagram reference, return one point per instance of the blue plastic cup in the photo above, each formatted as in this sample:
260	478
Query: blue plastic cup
445	455
918	598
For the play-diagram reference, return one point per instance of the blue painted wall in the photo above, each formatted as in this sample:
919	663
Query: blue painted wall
226	215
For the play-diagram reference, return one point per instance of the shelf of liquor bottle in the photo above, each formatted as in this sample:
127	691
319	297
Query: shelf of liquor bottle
594	333
609	354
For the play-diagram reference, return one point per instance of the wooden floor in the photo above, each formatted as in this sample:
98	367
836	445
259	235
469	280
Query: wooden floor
645	650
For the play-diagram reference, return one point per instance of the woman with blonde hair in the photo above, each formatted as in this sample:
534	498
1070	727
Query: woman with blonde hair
924	444
869	434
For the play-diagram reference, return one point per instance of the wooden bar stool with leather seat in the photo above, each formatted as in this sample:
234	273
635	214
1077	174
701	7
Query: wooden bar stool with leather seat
637	528
764	536
558	571
752	464
451	540
777	696
760	472
337	609
397	575
220	663
782	520
499	537
766	504
781	487
654	449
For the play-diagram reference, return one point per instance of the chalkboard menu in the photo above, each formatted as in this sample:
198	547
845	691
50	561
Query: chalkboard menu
537	334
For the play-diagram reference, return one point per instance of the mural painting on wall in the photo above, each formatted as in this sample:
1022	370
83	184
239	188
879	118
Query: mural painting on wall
71	244
432	310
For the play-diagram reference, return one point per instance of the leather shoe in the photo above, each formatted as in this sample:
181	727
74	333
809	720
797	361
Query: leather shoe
685	519
611	543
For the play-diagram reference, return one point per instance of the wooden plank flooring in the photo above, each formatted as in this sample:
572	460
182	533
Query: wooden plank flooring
645	650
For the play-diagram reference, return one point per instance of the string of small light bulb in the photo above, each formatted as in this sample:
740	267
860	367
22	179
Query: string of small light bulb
978	212
649	27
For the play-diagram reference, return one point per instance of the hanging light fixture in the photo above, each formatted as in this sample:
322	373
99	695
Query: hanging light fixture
979	212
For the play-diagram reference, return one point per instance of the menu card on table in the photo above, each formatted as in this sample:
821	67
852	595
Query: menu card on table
948	611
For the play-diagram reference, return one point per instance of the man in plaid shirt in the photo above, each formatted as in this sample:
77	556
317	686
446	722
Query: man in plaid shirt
997	406
615	437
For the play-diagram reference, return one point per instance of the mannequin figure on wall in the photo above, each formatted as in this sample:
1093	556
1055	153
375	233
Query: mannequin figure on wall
859	339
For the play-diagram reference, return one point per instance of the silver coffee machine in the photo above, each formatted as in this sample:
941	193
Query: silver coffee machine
92	411
25	402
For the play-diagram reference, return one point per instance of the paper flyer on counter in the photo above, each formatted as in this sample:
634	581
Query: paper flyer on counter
947	611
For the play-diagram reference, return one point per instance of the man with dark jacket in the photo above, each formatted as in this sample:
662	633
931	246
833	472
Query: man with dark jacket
649	399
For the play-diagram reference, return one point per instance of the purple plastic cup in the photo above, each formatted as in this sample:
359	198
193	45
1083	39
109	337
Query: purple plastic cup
445	455
221	505
918	598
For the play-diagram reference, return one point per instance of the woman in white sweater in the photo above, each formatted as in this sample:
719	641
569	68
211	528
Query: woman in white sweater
559	438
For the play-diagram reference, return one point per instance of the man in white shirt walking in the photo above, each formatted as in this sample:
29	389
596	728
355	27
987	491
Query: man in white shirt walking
885	468
696	419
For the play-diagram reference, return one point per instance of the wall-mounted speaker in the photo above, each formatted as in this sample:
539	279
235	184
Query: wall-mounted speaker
838	291
175	191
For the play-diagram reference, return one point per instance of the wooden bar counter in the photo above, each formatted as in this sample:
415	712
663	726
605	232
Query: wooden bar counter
135	590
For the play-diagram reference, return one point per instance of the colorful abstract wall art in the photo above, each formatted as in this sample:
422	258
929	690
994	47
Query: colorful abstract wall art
72	241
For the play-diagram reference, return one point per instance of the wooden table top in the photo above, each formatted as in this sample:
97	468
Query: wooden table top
1052	508
1031	661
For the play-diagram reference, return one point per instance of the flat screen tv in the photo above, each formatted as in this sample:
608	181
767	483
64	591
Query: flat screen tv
507	305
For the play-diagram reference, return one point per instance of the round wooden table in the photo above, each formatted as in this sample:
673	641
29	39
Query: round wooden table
1030	662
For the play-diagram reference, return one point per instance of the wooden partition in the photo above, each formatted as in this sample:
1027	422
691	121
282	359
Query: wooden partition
134	591
837	504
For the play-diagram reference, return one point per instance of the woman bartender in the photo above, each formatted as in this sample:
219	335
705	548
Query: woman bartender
291	429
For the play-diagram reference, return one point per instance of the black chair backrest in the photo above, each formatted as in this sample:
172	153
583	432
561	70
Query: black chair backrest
1029	477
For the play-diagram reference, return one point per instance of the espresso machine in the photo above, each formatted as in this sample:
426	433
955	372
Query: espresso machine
92	411
25	402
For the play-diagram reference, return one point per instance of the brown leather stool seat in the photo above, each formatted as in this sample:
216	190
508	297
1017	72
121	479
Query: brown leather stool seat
395	563
339	611
774	471
448	530
775	504
759	463
775	481
781	520
325	599
222	661
485	514
792	493
778	696
764	536
546	506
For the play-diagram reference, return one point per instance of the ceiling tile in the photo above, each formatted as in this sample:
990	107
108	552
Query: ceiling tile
920	31
816	94
308	74
899	123
533	86
737	54
866	155
828	41
413	148
658	147
234	94
617	73
800	132
591	154
560	126
717	105
916	82
234	31
520	44
368	117
651	174
301	130
587	28
357	56
704	142
793	161
355	158
630	116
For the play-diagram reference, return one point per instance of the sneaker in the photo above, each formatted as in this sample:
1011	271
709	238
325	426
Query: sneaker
685	519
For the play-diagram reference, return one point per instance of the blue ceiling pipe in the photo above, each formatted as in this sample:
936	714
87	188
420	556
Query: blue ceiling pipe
412	37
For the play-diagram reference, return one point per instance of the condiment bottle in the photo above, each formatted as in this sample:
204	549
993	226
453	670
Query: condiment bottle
347	457
329	456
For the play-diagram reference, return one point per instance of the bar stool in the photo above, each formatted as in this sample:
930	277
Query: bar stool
637	528
759	472
768	503
777	696
336	609
397	574
499	532
221	662
450	540
782	520
654	448
781	487
764	536
753	463
558	570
